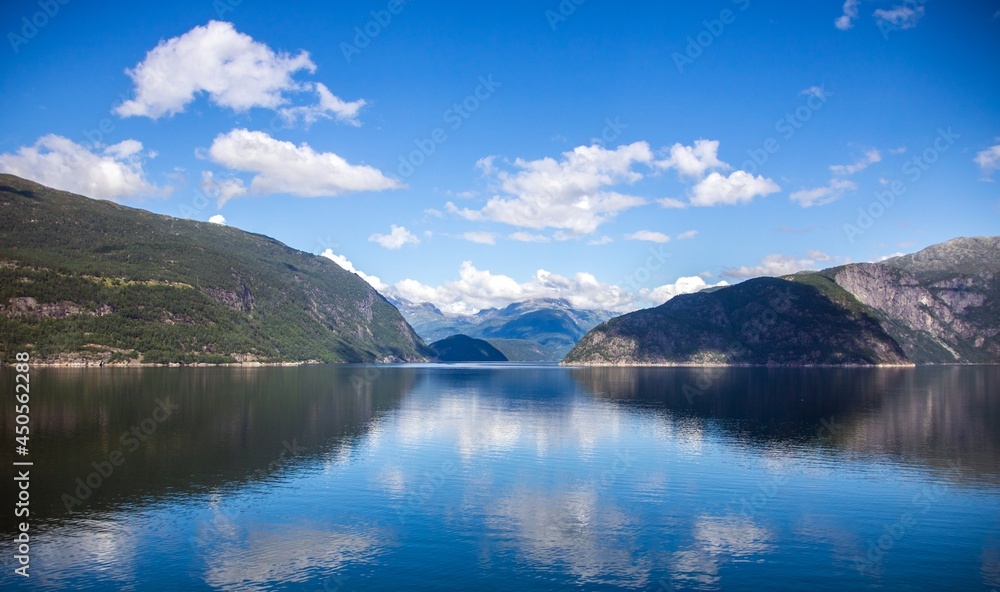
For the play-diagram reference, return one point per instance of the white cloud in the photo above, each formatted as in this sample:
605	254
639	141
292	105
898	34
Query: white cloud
687	235
601	241
478	289
218	219
436	213
694	161
648	236
327	107
900	17
571	193
823	195
112	173
870	158
684	285
233	70
738	187
342	261
283	167
715	188
527	237
846	20
814	91
779	265
483	238
988	161
222	189
397	237
671	204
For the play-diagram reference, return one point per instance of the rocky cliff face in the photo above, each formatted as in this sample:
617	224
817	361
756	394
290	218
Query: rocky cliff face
941	305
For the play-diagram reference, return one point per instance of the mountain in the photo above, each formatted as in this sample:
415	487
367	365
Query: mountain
941	305
534	330
90	280
462	348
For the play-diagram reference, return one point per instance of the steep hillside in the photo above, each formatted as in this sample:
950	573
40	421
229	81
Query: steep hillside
89	280
941	305
462	348
761	321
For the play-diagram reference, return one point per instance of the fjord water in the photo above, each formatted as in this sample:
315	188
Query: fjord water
508	477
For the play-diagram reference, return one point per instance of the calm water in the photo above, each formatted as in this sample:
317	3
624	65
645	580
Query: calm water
510	478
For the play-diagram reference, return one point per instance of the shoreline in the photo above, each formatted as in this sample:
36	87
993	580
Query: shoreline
560	364
718	365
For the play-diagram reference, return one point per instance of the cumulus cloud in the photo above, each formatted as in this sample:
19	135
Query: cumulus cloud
694	161
648	236
576	194
234	70
477	289
397	237
483	238
344	262
283	167
779	265
988	161
687	235
572	193
738	187
109	172
846	20
684	285
900	17
870	158
218	219
819	196
712	189
603	240
222	189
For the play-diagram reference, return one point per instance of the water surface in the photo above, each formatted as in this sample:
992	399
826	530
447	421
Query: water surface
511	477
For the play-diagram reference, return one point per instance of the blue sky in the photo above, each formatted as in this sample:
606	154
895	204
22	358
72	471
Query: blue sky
474	155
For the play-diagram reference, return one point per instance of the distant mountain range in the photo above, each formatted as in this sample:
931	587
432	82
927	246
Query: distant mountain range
534	330
941	305
90	281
